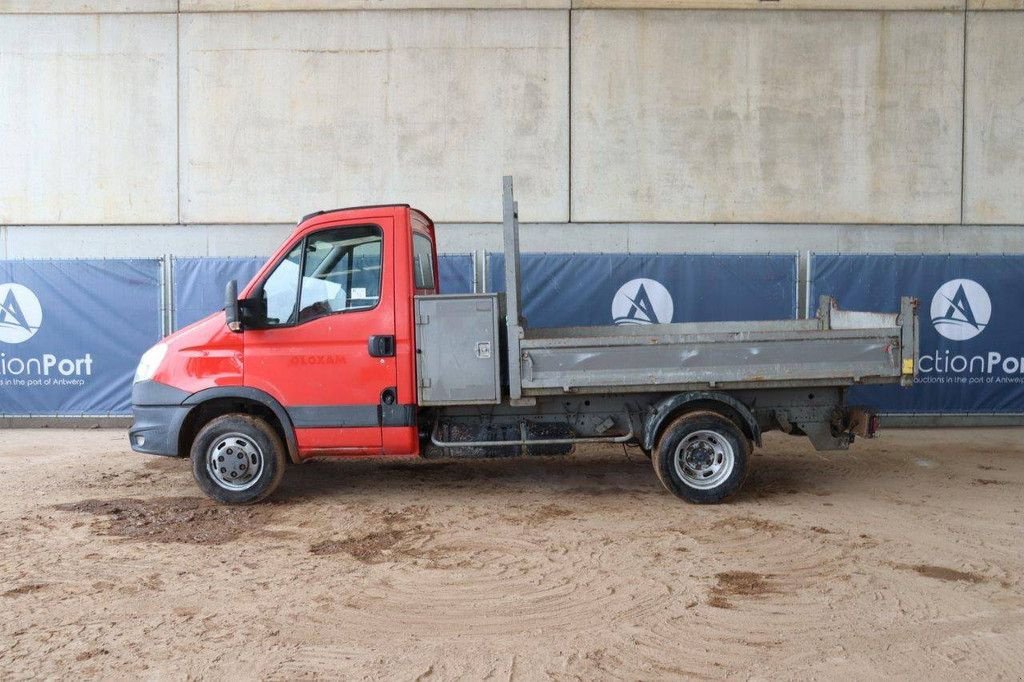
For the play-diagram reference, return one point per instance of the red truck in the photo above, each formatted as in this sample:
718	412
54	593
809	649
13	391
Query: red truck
341	346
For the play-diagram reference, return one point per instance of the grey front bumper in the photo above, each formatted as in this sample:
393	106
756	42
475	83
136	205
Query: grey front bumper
158	414
156	428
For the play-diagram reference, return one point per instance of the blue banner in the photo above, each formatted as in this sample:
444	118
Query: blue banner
971	344
198	285
71	333
587	289
456	273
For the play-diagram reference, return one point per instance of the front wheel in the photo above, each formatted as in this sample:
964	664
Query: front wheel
702	457
238	459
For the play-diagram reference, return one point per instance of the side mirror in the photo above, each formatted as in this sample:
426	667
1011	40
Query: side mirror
231	308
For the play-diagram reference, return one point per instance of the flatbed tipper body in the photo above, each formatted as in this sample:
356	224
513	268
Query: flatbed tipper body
829	350
403	370
720	355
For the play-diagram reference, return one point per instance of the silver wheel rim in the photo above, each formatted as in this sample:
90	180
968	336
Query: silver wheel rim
704	459
234	461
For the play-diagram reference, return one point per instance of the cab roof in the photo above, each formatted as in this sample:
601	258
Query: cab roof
314	214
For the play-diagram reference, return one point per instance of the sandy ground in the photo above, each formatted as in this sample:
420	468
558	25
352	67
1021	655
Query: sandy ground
902	557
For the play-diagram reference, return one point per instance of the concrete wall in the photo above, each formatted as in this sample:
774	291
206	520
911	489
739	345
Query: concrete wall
192	127
88	118
767	117
340	108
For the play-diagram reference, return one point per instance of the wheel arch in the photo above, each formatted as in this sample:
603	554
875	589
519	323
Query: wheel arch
675	405
211	403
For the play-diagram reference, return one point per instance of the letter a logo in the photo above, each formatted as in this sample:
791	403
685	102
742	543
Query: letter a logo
20	313
642	301
961	309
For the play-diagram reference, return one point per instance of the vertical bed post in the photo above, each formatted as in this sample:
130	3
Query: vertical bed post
513	326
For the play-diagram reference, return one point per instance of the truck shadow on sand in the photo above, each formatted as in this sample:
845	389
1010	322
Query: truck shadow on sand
588	474
773	474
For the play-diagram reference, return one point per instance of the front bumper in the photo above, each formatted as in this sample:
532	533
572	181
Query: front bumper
156	428
159	415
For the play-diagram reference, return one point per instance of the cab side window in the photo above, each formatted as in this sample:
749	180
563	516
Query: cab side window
422	261
341	271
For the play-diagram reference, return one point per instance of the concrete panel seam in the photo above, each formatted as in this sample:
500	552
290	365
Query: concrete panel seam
98	241
764	6
963	122
568	164
612	5
673	5
177	107
87	13
679	223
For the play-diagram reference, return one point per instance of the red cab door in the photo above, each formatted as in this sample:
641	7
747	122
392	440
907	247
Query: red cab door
326	350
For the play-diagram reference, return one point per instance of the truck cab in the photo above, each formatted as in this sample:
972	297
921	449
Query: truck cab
320	349
341	345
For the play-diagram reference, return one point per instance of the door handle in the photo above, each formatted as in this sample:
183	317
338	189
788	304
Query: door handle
381	346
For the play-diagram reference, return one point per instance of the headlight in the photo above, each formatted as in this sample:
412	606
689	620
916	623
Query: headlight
150	362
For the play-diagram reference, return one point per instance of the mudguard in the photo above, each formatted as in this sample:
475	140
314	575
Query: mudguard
671	405
258	396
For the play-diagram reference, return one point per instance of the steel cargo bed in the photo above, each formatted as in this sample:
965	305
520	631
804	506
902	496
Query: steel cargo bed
837	348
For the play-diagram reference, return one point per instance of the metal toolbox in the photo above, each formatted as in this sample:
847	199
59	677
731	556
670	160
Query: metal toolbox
457	351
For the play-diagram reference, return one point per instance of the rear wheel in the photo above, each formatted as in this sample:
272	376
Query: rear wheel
238	459
702	457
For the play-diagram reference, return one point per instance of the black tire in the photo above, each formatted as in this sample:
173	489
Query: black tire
703	475
247	454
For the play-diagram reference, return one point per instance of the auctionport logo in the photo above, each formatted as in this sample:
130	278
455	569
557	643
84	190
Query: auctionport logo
20	319
20	313
961	309
642	301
